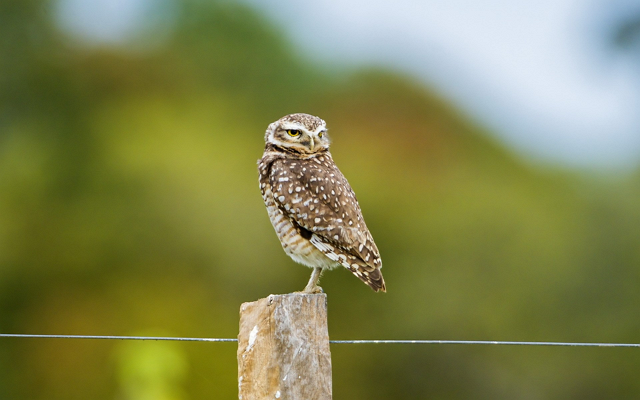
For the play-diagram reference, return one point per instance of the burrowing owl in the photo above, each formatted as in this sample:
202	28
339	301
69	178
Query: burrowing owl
311	205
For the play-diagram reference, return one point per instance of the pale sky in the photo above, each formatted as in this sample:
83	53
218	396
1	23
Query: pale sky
537	73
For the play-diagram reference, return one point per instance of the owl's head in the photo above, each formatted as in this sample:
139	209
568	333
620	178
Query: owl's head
303	133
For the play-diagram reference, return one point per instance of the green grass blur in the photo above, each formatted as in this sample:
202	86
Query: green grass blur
129	204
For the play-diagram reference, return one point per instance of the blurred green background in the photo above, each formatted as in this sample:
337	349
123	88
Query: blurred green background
129	205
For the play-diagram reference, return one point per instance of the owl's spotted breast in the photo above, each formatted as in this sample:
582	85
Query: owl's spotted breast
295	239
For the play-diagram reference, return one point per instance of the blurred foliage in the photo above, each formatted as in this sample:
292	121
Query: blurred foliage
627	34
129	203
150	371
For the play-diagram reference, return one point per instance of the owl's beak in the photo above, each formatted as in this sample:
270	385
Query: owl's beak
311	143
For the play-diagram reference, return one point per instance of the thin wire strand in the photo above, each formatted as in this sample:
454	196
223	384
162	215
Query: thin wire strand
186	339
181	339
486	342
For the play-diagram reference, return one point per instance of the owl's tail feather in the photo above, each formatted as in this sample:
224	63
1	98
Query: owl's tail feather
374	279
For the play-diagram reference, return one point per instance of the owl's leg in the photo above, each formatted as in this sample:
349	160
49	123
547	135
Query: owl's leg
312	286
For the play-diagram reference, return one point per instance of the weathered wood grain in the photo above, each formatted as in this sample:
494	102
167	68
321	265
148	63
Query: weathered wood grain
283	348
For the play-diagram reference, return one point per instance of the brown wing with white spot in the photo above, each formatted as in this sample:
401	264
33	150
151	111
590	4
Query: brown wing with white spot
315	195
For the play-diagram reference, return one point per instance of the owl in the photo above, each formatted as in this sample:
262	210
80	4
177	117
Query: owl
311	206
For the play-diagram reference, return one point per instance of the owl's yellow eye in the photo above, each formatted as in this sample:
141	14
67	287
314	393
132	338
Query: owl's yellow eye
293	132
320	134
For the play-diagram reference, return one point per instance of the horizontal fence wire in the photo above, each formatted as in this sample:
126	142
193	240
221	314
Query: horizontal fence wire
188	339
179	339
486	342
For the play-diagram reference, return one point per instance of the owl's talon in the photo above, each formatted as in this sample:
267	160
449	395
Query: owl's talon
312	287
313	290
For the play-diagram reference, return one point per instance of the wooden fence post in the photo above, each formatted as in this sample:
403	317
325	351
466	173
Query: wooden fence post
283	348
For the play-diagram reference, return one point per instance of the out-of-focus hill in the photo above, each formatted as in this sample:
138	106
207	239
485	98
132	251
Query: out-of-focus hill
130	206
